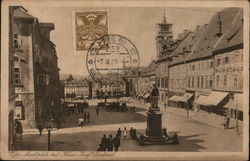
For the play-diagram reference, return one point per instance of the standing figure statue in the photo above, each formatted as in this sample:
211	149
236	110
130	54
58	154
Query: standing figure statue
154	96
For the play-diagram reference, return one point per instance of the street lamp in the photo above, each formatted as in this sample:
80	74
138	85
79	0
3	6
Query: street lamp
50	125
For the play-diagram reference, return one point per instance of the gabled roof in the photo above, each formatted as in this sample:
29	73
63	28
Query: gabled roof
209	38
234	36
20	12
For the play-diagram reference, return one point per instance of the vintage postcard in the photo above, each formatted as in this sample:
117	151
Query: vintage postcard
124	80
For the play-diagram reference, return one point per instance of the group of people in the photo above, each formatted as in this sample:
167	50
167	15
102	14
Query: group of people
84	119
109	143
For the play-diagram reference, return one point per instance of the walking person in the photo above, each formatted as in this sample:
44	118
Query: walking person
131	133
40	126
88	116
104	143
226	124
134	136
125	133
85	117
116	142
97	111
110	143
119	132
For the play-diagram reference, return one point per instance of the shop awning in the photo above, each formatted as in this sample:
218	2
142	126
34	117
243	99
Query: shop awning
143	93
236	103
201	100
146	95
186	97
215	97
175	98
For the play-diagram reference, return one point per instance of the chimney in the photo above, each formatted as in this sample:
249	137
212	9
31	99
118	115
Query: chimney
45	29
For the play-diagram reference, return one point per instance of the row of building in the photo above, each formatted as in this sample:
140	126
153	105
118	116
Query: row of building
87	88
202	69
34	86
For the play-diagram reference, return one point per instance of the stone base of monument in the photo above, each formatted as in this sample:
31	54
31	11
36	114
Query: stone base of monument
154	134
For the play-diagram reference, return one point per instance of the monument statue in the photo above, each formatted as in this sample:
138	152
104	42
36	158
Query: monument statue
154	96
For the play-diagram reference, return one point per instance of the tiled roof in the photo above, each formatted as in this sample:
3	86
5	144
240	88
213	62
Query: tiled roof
20	13
208	40
234	35
184	48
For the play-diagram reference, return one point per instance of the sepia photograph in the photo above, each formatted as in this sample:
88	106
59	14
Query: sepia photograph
124	80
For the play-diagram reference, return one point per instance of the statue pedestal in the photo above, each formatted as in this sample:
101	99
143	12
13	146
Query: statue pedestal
154	133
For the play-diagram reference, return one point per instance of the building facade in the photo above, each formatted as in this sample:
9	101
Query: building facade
35	69
74	88
202	69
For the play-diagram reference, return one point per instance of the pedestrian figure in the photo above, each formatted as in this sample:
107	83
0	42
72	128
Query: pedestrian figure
125	133
85	117
116	142
164	132
80	121
154	97
97	111
40	127
131	132
88	116
110	143
134	134
104	143
119	132
226	124
19	127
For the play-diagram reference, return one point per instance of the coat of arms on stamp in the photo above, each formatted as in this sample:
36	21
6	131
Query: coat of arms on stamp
89	25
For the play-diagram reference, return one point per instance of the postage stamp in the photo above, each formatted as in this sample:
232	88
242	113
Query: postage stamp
88	25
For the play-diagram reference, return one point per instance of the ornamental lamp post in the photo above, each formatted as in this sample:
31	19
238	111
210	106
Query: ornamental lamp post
50	125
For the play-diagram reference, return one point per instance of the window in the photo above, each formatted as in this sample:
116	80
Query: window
166	82
217	80
193	68
162	82
198	82
218	62
198	66
16	41
211	64
226	60
202	82
189	82
41	79
206	82
211	81
17	76
47	79
206	65
235	80
193	82
158	82
225	80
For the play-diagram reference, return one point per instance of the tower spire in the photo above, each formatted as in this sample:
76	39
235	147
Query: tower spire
164	18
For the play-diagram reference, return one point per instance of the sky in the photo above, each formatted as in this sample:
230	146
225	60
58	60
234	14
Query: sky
138	24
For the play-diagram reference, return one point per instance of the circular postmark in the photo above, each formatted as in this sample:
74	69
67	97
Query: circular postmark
111	54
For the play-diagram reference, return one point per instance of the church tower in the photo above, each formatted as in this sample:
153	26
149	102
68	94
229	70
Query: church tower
164	36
